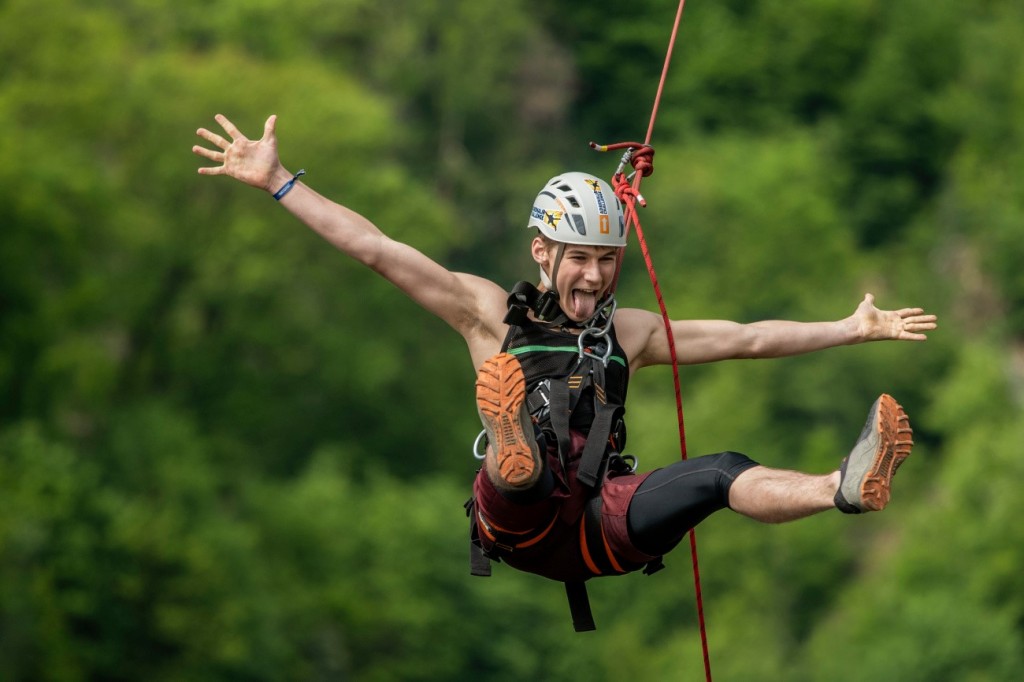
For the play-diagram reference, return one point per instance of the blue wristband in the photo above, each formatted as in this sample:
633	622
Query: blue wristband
288	185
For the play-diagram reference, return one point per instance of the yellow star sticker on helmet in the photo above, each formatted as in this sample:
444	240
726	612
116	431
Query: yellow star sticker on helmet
552	218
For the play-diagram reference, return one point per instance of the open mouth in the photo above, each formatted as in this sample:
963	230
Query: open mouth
584	303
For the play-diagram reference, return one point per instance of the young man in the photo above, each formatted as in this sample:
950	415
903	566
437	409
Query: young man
555	496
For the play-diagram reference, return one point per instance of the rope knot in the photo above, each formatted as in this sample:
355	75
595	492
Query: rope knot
638	155
624	188
642	160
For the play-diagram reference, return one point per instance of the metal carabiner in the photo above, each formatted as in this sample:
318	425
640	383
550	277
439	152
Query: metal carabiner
476	446
599	332
586	352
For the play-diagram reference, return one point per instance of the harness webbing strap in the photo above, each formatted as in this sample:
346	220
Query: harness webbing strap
509	541
479	563
579	606
561	410
593	457
597	440
599	559
525	297
597	554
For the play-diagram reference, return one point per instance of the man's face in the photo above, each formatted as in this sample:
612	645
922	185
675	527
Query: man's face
584	276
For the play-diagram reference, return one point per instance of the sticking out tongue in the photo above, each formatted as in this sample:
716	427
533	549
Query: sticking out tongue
584	304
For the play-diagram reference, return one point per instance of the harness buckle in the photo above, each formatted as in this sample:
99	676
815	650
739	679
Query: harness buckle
621	464
538	402
546	306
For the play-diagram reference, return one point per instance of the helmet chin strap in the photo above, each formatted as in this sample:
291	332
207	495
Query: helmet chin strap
549	282
548	307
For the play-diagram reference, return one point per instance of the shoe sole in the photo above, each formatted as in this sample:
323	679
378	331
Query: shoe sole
512	455
885	444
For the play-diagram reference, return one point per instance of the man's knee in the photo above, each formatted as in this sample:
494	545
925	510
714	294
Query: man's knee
539	490
730	464
676	498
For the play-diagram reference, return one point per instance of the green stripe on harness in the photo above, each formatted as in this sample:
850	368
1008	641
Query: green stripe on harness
558	349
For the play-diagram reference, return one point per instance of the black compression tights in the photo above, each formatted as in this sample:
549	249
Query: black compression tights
673	500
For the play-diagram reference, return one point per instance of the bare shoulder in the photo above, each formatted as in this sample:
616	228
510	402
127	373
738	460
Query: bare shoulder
636	330
484	302
482	322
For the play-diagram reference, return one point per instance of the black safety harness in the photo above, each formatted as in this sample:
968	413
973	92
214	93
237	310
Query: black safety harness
551	404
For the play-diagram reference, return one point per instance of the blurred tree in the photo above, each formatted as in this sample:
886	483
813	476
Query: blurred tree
894	139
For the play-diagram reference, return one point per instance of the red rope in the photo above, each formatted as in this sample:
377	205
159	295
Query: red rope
641	157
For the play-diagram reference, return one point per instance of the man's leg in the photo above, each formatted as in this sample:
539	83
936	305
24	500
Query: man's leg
513	461
675	499
512	489
672	500
863	482
779	495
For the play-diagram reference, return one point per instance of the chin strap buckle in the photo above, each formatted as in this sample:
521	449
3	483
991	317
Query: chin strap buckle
547	307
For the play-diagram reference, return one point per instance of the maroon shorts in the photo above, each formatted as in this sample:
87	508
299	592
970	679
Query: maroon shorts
552	536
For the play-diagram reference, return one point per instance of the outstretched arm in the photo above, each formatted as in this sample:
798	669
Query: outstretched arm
699	341
464	301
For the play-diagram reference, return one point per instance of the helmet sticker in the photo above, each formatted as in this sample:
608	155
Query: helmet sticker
551	218
602	205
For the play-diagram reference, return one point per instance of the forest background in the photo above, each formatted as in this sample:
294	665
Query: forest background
228	453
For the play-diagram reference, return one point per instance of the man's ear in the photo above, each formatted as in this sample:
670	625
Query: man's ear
540	252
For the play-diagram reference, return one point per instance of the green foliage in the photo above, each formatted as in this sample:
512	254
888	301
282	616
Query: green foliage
733	219
226	453
894	138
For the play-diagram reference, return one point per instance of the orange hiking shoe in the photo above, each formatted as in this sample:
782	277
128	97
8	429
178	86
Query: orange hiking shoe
866	473
513	458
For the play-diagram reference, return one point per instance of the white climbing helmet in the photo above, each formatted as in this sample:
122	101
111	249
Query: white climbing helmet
579	208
